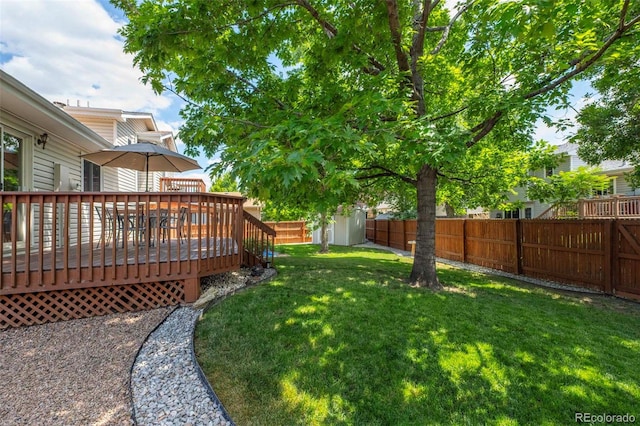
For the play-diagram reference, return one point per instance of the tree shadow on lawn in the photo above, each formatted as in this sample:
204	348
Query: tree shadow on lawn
344	340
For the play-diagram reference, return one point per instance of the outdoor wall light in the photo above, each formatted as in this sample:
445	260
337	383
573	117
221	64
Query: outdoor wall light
42	140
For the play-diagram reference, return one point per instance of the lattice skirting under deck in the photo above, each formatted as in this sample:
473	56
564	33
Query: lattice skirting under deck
37	308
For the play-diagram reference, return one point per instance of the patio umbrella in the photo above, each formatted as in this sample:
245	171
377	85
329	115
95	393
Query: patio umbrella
143	156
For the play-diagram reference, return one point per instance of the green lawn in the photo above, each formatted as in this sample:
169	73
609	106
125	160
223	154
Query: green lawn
342	339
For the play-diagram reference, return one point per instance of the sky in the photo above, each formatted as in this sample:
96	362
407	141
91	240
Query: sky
70	51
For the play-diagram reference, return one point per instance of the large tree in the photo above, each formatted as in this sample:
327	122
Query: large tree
610	124
224	182
341	93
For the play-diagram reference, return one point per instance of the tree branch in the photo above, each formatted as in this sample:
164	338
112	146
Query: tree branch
579	66
235	24
419	26
447	28
255	88
384	173
190	102
332	31
449	114
396	36
484	128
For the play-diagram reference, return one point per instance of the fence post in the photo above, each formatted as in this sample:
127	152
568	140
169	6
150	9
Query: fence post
518	236
404	234
464	240
388	229
610	261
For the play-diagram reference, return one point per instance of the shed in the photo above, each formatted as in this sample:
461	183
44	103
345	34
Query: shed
345	230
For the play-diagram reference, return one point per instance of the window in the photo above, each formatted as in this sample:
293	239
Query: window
92	177
11	157
512	214
528	213
548	171
608	191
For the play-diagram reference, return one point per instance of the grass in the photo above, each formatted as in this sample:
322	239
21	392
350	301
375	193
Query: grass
342	339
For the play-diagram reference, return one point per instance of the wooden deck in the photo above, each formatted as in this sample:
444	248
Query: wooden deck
76	254
86	265
116	238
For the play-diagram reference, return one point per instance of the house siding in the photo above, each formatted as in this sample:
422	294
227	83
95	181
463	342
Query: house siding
623	187
136	181
102	126
42	164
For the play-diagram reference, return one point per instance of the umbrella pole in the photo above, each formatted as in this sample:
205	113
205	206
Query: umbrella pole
147	179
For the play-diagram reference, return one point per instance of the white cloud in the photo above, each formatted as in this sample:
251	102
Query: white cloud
69	50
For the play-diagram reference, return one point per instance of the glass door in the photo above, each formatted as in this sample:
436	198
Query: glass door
11	159
11	174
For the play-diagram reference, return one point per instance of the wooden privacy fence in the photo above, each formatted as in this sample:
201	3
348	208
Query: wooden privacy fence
290	232
598	254
392	233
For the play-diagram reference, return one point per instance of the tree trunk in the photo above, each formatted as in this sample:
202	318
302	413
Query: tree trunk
423	273
450	211
324	233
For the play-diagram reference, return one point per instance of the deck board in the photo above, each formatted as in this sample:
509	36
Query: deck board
170	251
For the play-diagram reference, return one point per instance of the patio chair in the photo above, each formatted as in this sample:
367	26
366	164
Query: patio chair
6	225
107	230
108	223
138	223
171	221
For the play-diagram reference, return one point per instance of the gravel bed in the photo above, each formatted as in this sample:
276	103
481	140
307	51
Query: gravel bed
167	384
72	372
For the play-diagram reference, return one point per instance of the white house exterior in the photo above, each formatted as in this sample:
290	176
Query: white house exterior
25	117
122	128
42	144
571	161
70	132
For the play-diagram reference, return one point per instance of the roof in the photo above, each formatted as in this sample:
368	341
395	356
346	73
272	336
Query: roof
19	101
567	148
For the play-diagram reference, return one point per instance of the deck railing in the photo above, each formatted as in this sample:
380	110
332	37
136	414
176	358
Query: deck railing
63	240
258	242
612	207
182	185
596	208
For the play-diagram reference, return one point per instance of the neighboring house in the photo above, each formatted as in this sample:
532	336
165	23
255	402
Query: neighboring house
345	230
385	211
570	162
120	128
